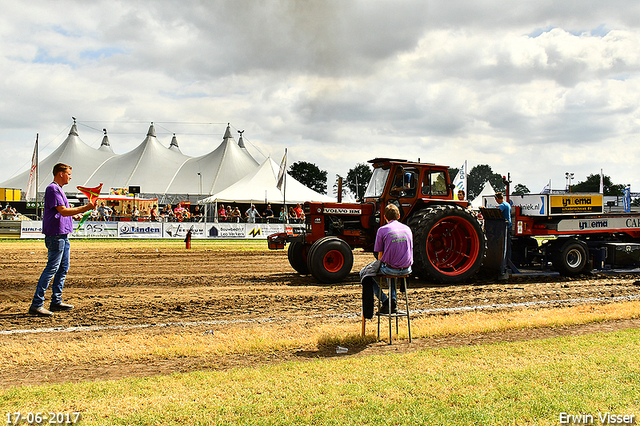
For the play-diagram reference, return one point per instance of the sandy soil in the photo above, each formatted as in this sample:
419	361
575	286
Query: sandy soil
137	284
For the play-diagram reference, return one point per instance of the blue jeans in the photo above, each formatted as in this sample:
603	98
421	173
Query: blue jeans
57	267
385	270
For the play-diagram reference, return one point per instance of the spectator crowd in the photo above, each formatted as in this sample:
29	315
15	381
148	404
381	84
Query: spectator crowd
252	215
183	212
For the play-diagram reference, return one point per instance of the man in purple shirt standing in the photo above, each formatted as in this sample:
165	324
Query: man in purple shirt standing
394	247
57	223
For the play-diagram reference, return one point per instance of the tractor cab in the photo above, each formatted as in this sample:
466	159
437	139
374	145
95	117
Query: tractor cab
408	185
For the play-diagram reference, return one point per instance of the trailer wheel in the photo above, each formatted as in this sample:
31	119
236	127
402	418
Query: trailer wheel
449	244
572	258
297	255
330	260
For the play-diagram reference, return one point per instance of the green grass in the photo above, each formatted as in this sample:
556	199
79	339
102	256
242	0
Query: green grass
521	383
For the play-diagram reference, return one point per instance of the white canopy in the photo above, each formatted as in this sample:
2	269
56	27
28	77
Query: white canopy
260	187
487	190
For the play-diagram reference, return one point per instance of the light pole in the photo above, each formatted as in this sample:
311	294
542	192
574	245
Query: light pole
200	176
569	177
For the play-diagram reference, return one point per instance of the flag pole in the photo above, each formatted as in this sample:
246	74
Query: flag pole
284	192
466	186
31	192
282	180
37	170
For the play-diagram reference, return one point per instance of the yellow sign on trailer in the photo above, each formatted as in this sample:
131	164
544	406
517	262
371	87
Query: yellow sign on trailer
576	203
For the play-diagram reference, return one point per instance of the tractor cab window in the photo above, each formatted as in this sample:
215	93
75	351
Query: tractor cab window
435	184
377	183
405	182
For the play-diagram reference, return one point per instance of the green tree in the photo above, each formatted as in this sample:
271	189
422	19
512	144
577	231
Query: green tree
478	176
592	184
520	189
358	178
309	175
453	172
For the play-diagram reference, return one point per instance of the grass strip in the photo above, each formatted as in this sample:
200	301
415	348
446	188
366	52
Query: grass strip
259	338
519	383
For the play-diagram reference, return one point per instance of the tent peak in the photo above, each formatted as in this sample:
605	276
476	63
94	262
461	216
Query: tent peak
74	128
240	140
174	144
152	130
105	139
227	133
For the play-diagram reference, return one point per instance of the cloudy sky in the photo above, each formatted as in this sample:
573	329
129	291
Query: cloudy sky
535	88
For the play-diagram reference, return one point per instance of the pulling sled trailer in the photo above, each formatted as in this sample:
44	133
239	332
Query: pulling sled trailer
573	233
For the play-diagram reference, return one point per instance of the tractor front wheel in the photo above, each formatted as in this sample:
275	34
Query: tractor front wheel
297	254
330	260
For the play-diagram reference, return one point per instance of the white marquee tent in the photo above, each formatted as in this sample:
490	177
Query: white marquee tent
261	187
161	172
73	151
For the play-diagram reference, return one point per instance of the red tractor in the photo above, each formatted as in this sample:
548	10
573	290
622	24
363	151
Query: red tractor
449	243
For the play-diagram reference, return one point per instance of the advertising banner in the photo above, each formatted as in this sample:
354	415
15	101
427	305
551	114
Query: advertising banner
96	230
599	224
180	229
170	230
576	203
531	204
31	229
139	230
226	230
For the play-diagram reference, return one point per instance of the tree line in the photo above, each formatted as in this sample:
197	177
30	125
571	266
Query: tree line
358	177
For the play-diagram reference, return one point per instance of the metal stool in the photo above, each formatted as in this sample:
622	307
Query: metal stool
391	280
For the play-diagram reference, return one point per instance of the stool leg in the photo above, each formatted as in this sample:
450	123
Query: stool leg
379	296
364	321
406	300
395	285
389	300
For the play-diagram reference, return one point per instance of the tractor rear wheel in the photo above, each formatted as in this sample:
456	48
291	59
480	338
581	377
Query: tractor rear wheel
330	260
297	254
449	244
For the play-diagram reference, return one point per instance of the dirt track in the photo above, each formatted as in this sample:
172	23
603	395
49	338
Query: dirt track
139	283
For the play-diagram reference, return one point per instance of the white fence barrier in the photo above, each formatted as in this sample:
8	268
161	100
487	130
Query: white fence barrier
222	230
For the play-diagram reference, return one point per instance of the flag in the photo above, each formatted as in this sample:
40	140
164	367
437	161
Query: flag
601	182
92	193
460	181
33	181
546	189
283	168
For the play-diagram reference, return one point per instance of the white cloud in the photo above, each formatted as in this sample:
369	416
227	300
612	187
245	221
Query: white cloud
535	88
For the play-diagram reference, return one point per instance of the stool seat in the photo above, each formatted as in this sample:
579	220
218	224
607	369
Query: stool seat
391	280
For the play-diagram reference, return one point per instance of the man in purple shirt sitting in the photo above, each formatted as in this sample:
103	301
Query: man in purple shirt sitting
57	223
394	247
